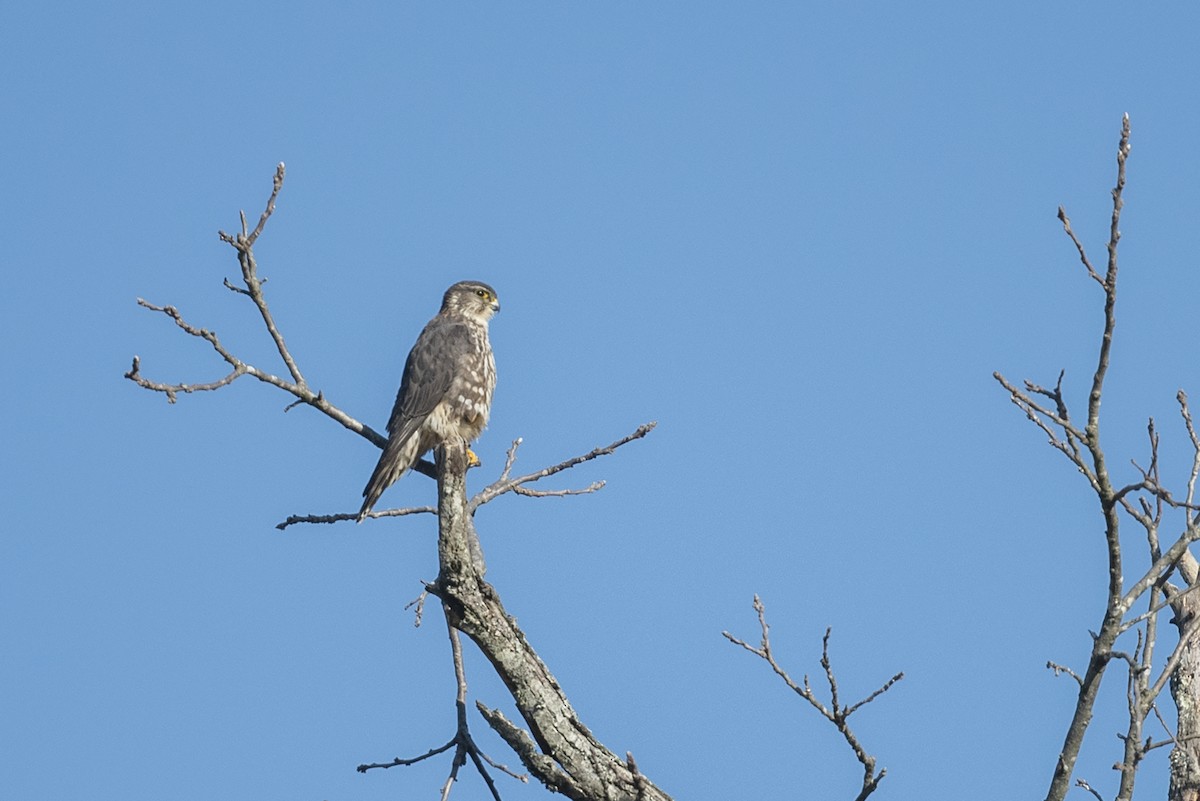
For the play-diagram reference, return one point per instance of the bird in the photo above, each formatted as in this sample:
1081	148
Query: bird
446	389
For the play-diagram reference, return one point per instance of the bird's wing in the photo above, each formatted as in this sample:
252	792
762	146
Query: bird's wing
428	375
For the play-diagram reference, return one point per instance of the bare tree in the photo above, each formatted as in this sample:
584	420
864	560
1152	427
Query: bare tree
1165	586
554	745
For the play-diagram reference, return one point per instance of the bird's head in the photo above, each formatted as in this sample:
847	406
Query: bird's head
471	299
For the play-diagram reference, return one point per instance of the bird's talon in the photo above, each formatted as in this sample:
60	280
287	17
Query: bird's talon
472	459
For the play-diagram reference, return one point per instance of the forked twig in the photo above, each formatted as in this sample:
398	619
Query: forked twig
836	713
463	743
507	484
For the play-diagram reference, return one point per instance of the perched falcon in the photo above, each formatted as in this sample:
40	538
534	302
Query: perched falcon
446	391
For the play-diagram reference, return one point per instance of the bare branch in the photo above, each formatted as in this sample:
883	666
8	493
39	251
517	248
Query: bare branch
1023	399
1173	660
838	714
239	367
510	458
564	746
297	386
336	518
521	777
419	604
1111	500
1061	669
1186	413
1110	300
502	485
236	289
243	243
463	742
505	484
1089	788
1156	608
595	486
400	761
280	172
1073	439
1160	567
545	768
887	685
170	390
1083	257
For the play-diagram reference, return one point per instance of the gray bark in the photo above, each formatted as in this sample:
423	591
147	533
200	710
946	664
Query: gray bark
1185	692
557	748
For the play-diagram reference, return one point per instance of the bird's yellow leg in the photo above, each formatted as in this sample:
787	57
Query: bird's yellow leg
472	459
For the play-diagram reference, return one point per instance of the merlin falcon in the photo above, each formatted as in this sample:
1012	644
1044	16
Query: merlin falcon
446	391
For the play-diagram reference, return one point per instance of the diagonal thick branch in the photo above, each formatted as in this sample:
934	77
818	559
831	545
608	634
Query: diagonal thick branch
558	749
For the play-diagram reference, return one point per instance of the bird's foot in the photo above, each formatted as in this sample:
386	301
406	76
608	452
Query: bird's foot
472	459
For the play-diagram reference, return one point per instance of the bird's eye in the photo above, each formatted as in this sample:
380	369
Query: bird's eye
481	293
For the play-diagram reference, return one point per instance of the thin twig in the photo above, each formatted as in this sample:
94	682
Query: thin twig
1186	413
400	761
510	458
1089	788
336	518
1061	669
171	390
1083	257
419	603
595	486
243	243
1073	437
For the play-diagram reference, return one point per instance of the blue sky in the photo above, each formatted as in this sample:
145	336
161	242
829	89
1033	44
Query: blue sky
799	238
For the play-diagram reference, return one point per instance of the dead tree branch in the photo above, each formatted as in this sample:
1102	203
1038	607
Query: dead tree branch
1145	501
464	744
1089	458
1063	669
557	748
503	485
836	712
506	484
353	516
297	386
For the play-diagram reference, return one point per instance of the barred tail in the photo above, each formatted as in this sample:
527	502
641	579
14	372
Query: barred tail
397	457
